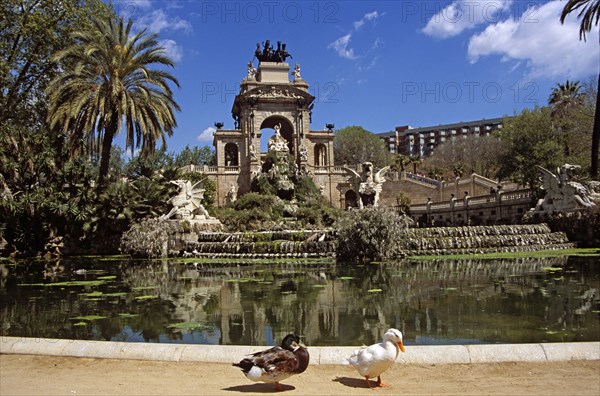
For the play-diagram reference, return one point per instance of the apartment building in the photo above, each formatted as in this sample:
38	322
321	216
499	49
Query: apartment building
422	141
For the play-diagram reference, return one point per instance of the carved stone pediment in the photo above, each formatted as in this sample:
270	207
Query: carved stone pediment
273	93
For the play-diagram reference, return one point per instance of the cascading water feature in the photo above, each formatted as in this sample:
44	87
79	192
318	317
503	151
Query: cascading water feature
418	241
483	239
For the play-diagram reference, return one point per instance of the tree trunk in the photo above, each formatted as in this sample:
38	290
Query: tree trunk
109	134
596	134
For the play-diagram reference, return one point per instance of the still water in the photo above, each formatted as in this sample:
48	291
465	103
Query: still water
327	303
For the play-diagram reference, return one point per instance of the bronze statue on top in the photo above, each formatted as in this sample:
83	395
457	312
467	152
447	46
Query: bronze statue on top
270	55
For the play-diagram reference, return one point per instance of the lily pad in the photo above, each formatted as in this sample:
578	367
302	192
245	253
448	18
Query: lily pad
108	277
66	284
190	326
374	290
128	315
80	324
552	269
89	317
144	288
319	286
145	297
345	277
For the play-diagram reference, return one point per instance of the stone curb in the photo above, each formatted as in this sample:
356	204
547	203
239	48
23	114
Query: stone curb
418	354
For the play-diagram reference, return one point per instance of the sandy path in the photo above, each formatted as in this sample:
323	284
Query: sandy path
49	375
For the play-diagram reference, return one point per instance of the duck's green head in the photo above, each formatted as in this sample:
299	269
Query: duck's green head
291	342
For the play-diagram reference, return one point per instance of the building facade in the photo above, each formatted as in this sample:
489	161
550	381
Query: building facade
422	142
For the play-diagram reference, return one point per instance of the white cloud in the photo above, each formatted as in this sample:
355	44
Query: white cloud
341	47
537	37
206	135
158	20
370	16
172	49
464	14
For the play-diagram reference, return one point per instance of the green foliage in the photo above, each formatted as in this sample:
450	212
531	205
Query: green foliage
97	94
30	32
147	238
354	145
530	140
369	234
195	156
252	211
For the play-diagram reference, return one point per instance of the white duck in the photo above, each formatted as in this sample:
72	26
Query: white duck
373	360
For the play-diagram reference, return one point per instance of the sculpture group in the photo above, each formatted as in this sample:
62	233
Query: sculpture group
563	194
368	183
187	204
268	54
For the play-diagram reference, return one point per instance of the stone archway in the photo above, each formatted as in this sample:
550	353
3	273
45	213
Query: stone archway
351	199
320	154
286	131
231	154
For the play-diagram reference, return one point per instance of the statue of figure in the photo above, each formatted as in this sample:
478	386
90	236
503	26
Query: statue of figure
296	72
563	195
257	53
187	201
251	71
231	194
268	55
278	142
252	152
368	184
284	53
303	153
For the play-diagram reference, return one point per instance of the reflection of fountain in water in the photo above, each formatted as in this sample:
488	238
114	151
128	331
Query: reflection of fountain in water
327	303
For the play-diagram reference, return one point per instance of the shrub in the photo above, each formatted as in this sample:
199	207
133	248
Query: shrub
369	234
148	238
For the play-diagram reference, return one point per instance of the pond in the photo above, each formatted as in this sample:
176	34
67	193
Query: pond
256	303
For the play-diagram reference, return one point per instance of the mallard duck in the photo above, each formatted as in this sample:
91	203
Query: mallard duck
373	360
278	363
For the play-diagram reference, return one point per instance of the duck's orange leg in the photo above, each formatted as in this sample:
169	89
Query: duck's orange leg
379	383
368	382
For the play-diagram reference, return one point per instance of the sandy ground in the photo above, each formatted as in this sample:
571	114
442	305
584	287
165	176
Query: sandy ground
50	375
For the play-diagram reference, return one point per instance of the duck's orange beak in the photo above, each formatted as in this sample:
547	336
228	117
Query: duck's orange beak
401	346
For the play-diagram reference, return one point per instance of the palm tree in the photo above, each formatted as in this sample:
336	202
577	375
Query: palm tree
589	12
107	83
563	99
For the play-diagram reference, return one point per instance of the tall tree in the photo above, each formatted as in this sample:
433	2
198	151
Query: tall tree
564	100
589	13
108	83
529	139
354	145
30	31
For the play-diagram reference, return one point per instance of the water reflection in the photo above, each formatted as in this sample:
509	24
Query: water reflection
432	302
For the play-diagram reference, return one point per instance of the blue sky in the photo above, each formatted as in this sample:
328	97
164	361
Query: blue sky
377	64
